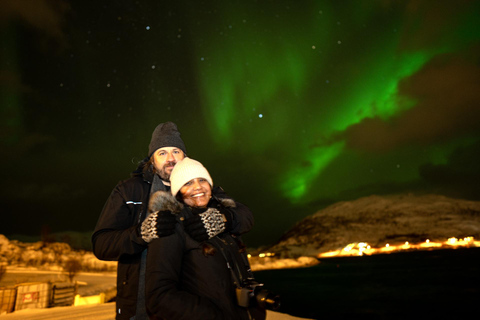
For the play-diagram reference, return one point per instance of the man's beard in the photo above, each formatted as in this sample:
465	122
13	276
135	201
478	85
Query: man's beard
163	174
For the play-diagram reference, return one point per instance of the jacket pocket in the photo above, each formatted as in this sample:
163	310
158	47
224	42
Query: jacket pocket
124	281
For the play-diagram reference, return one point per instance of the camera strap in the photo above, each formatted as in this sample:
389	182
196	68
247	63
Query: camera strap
237	278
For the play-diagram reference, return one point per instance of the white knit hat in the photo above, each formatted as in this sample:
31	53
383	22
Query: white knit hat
186	170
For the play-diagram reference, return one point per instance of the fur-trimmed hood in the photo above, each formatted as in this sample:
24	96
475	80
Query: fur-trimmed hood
164	201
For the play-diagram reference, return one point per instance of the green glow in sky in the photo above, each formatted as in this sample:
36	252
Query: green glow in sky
316	80
299	178
247	70
266	86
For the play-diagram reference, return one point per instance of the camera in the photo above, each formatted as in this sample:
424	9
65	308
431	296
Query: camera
253	294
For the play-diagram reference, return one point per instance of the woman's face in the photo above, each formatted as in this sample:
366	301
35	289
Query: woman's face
196	193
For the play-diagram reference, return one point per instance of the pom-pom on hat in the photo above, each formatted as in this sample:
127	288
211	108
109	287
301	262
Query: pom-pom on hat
166	135
186	170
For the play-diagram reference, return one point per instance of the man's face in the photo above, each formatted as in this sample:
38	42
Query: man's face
196	193
164	159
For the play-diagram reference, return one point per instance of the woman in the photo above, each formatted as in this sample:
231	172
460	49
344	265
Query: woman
187	279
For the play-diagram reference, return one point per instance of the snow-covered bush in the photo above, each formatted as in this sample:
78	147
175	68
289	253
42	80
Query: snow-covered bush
49	255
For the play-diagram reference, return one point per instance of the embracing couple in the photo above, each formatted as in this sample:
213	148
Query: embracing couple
176	239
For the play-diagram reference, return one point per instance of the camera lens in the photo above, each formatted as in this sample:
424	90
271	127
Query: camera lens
268	300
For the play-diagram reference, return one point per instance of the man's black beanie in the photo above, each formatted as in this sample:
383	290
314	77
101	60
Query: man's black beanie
166	135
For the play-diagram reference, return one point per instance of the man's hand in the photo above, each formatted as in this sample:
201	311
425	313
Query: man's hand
158	224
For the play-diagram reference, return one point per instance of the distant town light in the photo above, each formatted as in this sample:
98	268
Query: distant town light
361	248
452	240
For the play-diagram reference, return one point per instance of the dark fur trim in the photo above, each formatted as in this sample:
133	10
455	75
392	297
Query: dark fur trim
164	201
228	203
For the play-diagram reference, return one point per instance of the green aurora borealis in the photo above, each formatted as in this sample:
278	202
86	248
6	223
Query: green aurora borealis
291	105
351	73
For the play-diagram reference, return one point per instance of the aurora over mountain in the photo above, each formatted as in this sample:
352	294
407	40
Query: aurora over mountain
291	105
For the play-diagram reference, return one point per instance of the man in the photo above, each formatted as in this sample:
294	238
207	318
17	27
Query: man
123	230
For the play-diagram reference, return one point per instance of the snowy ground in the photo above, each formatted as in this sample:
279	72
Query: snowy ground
90	284
104	311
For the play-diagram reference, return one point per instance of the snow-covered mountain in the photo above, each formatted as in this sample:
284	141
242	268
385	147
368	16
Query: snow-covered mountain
48	255
381	219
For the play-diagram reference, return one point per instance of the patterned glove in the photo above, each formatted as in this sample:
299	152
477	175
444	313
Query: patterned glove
158	224
205	225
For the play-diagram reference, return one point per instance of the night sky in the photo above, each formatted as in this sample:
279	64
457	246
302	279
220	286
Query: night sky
291	105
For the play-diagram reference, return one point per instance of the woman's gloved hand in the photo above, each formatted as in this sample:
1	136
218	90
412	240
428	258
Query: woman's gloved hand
206	225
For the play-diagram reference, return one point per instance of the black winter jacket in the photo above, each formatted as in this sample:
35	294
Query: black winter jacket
183	282
117	237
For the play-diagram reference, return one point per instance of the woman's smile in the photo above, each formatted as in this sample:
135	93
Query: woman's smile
196	192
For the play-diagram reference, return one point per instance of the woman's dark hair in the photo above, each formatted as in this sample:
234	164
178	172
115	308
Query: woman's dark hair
179	197
208	249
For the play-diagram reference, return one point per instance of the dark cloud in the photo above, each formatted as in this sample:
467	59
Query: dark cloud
427	25
12	81
459	176
25	144
446	94
46	16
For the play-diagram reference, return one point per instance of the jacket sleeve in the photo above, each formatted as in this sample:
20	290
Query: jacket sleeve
117	232
242	216
164	297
